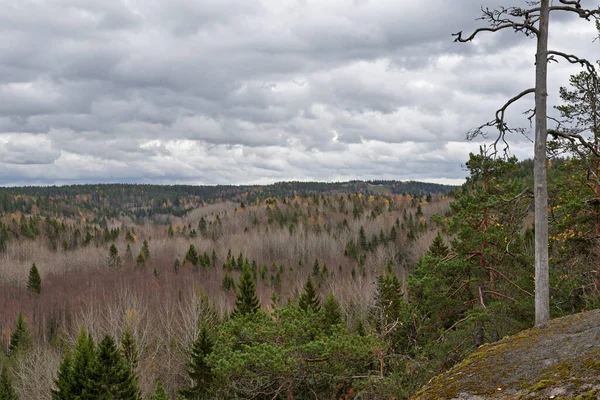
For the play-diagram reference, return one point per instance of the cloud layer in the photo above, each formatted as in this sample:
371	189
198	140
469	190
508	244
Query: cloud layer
226	91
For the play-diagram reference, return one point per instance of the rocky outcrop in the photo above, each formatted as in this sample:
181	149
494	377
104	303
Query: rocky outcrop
559	361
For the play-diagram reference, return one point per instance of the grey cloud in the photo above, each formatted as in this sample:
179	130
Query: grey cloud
229	91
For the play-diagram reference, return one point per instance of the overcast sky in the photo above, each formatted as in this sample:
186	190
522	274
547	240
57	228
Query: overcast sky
248	91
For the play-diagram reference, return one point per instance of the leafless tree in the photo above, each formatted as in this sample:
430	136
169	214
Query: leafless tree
533	20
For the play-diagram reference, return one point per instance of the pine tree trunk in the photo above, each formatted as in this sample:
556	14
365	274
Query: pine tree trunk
542	293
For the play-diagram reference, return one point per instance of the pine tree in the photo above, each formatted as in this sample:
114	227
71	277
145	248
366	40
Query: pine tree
64	380
20	340
192	255
331	311
114	261
438	248
140	262
177	265
115	380
316	269
159	393
129	351
199	372
34	282
7	392
83	380
170	232
246	301
146	250
308	298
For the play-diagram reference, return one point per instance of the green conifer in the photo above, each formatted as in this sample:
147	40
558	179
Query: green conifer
159	393
316	269
332	314
199	371
438	248
146	250
246	301
309	299
7	392
34	282
20	340
85	368
64	381
115	380
114	261
140	262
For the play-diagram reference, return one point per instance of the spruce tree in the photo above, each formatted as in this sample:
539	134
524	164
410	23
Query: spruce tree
114	261
331	311
84	368
34	282
7	392
115	380
129	351
246	301
146	250
198	370
64	381
141	260
316	269
159	393
177	265
20	340
438	248
309	299
192	255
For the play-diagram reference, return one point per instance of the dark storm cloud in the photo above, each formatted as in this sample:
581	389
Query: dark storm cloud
230	91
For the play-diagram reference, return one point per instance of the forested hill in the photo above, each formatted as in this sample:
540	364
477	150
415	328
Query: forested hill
178	199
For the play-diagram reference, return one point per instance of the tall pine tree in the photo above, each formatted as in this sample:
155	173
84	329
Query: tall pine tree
199	372
20	340
246	301
115	380
7	392
309	299
34	282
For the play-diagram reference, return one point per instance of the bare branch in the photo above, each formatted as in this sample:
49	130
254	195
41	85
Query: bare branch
573	60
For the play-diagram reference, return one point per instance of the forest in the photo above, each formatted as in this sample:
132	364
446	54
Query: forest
292	291
296	290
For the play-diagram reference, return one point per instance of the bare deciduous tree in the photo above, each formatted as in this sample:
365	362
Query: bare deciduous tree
533	20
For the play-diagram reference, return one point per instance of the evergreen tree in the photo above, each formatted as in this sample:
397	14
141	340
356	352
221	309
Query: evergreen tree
198	370
20	340
114	261
146	250
34	282
192	255
438	248
332	314
177	265
170	232
308	298
316	268
7	392
214	258
64	381
129	351
246	301
159	393
83	381
140	262
115	380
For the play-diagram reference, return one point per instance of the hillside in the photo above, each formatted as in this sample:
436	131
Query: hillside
559	361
